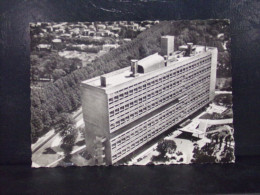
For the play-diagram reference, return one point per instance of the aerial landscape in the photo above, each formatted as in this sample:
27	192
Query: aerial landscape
65	55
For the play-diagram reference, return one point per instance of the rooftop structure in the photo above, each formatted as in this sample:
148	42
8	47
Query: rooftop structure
129	107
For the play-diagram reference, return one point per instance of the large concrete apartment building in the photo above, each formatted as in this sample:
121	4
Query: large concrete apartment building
127	108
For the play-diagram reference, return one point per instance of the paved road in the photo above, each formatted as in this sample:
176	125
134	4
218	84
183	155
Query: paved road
41	141
44	159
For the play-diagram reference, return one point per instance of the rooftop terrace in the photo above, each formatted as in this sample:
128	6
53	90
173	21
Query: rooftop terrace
124	75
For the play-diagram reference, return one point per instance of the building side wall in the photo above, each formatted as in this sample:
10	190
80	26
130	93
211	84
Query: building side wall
135	101
134	138
213	75
95	115
191	93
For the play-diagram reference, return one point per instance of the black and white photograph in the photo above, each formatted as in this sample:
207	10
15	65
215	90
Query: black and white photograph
147	92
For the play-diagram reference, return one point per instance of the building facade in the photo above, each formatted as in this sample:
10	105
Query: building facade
125	109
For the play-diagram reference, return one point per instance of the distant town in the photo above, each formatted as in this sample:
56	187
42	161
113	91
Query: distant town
82	41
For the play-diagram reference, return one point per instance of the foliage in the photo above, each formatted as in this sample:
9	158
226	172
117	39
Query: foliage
202	157
229	155
68	142
52	66
164	147
207	154
64	124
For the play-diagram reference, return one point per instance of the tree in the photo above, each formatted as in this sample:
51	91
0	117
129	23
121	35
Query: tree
202	157
58	73
68	142
166	146
63	123
229	156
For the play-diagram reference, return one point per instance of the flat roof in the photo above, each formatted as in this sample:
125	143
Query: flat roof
123	75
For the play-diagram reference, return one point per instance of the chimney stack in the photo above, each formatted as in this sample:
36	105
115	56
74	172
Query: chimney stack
134	68
103	81
189	48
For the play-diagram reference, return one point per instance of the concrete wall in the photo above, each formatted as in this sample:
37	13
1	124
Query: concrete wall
95	114
167	45
213	74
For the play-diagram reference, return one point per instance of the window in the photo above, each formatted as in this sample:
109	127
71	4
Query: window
110	100
113	145
116	98
140	111
111	113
